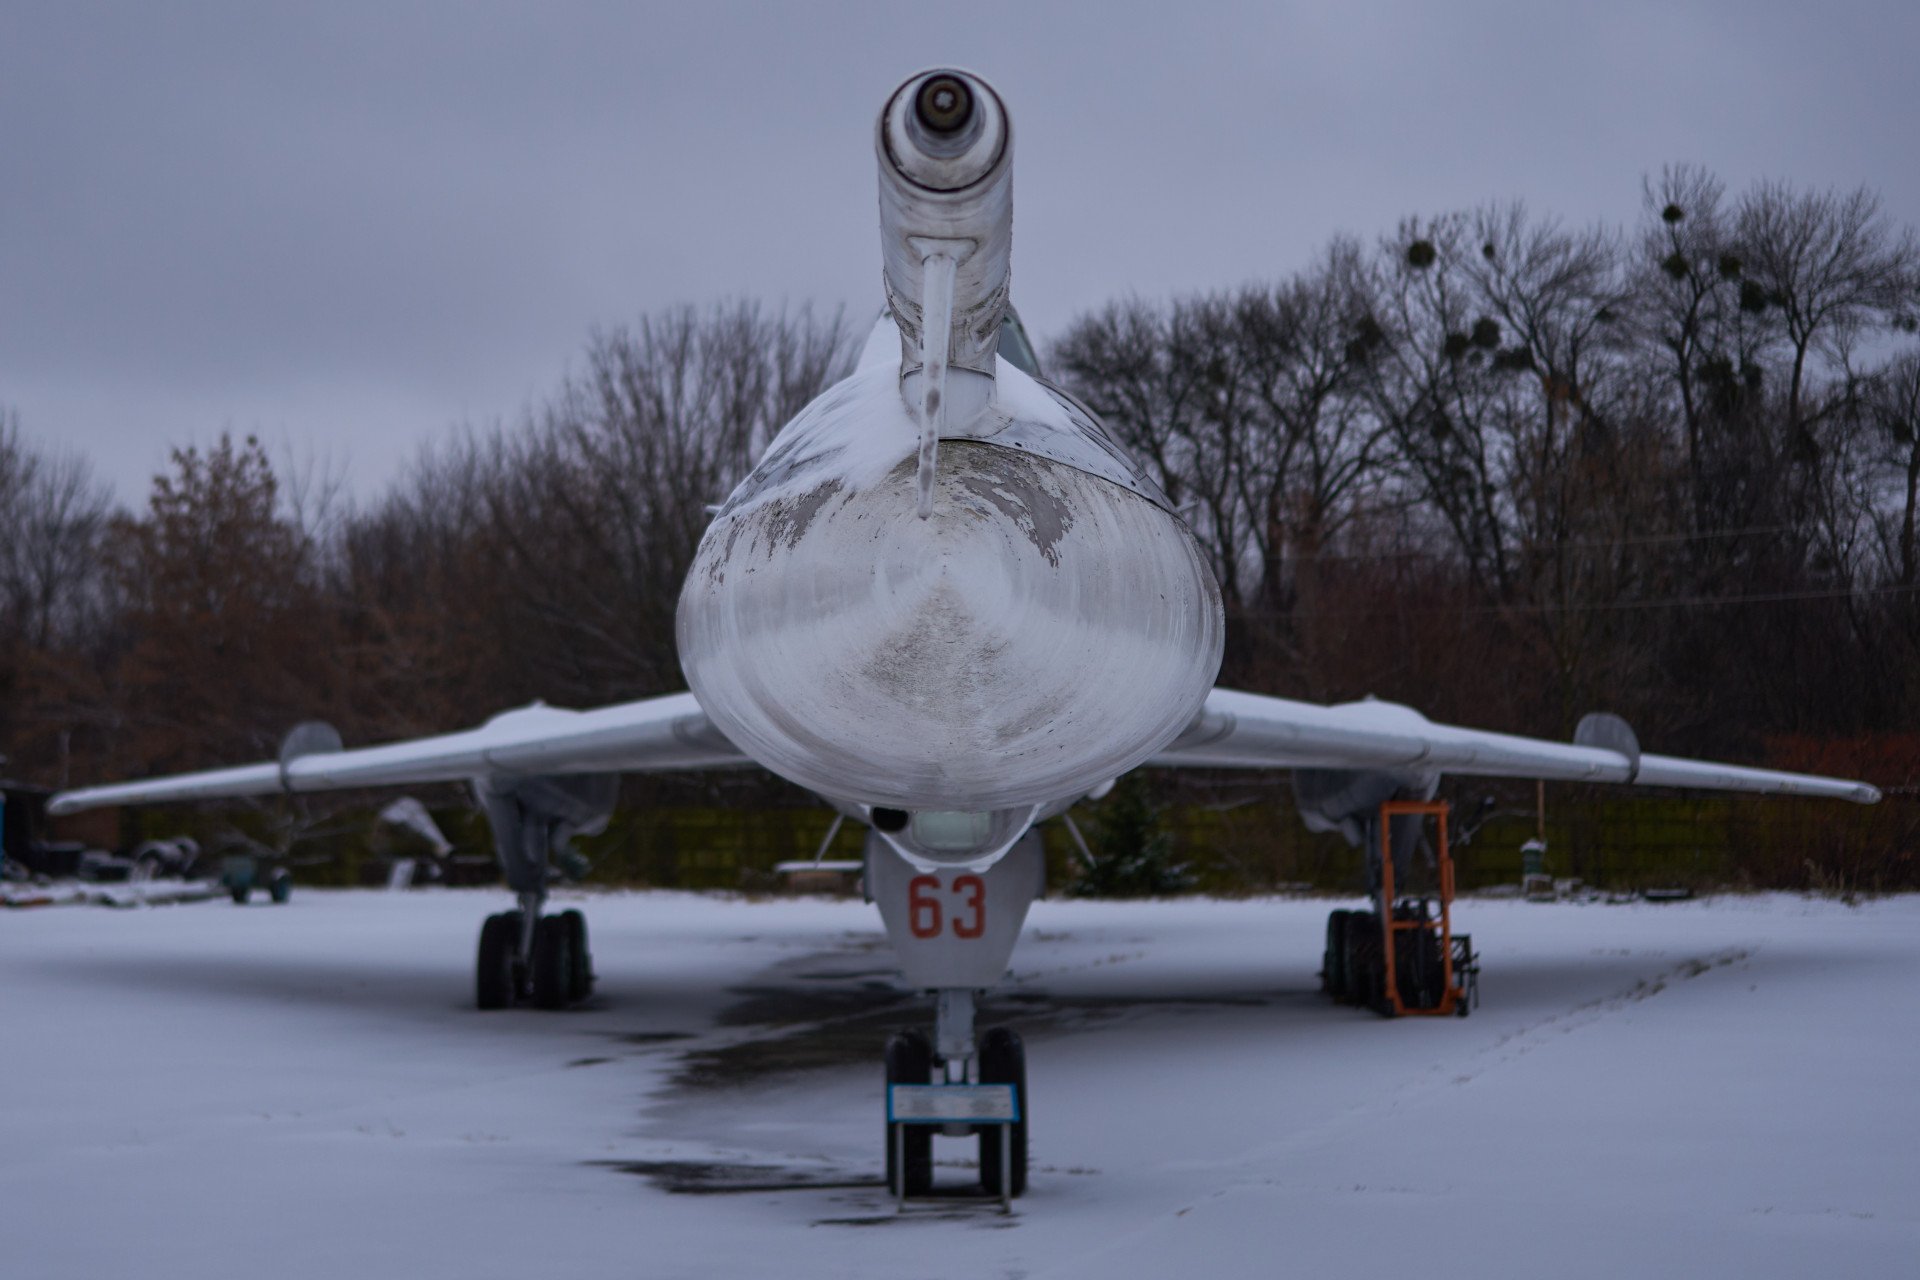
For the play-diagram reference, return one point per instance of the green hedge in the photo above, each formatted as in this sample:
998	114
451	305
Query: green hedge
1610	840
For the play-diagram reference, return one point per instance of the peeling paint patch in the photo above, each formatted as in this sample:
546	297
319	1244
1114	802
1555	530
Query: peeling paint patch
786	520
1018	487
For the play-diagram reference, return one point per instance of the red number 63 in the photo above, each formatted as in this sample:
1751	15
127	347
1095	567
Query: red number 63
925	915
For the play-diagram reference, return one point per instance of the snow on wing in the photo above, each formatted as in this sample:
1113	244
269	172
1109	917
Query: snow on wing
669	732
1252	731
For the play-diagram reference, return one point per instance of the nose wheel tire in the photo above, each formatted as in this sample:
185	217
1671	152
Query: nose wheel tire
909	1061
1003	1060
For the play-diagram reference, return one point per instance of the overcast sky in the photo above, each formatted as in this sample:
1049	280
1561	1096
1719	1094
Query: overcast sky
349	226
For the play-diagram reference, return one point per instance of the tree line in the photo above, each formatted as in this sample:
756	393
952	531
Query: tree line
1512	471
1502	468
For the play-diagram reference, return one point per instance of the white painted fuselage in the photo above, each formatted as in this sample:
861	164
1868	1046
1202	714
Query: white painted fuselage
944	592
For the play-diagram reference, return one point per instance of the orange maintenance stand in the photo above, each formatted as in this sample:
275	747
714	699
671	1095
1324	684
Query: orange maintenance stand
1459	970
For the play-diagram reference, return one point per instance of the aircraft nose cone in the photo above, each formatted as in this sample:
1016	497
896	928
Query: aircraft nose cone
1041	633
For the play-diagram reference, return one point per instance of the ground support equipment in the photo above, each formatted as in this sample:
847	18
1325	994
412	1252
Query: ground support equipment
1403	957
912	1110
1425	968
241	874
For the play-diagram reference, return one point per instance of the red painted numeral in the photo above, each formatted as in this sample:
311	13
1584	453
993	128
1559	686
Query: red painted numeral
923	909
925	917
975	891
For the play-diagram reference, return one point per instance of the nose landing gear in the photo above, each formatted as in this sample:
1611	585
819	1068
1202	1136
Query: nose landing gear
1001	1059
953	929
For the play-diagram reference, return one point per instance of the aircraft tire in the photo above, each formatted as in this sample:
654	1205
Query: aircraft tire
552	964
239	893
580	976
280	888
1366	968
910	1061
1333	961
1003	1060
493	975
1417	963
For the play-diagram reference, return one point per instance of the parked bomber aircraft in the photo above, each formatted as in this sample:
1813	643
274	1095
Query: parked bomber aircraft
948	603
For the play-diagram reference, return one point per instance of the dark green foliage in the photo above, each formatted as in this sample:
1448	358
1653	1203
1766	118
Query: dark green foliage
1132	852
1486	333
1730	266
1675	265
1456	345
1672	214
1421	254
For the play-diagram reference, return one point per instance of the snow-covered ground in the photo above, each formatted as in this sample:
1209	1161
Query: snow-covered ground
1718	1088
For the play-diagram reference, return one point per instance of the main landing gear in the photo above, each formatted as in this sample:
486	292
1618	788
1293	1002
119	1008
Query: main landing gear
1410	962
542	959
525	955
1000	1058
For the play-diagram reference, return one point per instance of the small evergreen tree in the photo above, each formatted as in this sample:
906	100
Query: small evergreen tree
1132	852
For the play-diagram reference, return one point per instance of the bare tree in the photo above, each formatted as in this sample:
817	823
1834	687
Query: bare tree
564	541
55	600
1893	406
1832	264
1245	407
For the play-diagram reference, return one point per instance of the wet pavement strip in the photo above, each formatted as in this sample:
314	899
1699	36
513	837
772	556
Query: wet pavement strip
835	1009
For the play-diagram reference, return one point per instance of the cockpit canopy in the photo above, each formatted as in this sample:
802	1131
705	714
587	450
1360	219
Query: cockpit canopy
1015	347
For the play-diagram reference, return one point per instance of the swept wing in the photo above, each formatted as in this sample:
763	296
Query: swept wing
653	734
1237	730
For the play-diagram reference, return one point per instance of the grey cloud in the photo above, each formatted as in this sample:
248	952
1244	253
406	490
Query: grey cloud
357	224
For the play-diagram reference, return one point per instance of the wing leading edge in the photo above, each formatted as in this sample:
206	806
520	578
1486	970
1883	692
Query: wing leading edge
1233	730
653	734
1253	731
